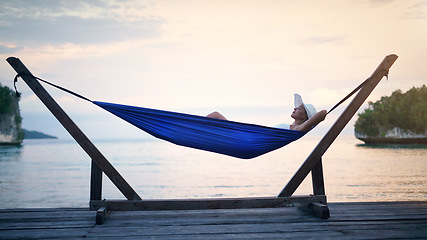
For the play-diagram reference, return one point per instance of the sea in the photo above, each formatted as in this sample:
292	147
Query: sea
50	173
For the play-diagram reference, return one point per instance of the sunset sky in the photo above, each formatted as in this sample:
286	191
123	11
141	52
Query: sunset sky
245	59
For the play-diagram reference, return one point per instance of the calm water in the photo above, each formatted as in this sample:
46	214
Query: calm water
56	173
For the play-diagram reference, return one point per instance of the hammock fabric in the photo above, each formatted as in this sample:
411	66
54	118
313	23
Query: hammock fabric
235	139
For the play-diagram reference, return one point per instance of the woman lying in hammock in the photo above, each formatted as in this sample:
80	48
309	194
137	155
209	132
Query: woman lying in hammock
305	116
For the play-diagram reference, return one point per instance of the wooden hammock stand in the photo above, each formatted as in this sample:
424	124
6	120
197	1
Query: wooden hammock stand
314	203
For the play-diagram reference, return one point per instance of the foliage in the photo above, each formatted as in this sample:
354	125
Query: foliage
6	98
407	111
9	107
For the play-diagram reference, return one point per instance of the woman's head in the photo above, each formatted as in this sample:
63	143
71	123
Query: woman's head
302	110
299	113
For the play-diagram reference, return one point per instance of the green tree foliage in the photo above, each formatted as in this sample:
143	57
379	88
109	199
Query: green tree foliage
7	96
407	111
9	107
6	99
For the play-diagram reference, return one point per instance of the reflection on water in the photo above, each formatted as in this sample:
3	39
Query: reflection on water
394	146
380	172
10	153
56	173
10	174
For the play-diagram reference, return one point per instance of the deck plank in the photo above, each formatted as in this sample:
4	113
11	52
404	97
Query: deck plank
382	220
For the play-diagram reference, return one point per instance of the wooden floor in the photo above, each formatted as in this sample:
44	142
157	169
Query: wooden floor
379	220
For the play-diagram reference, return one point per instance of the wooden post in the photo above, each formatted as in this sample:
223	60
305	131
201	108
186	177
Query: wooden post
72	128
95	182
320	210
338	126
101	215
317	179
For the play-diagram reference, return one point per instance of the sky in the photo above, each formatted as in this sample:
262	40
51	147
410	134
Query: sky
244	59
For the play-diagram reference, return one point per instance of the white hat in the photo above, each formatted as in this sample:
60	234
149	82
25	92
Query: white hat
309	109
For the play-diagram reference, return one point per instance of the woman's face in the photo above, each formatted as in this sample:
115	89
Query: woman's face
299	113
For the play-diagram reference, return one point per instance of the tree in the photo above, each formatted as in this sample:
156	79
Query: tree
407	111
5	100
10	117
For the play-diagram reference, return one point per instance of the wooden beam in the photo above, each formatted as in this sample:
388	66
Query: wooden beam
72	128
201	204
319	210
338	126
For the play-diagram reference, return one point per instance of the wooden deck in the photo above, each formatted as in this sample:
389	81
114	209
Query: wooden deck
376	220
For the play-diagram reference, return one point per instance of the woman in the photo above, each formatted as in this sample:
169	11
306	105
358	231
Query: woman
305	116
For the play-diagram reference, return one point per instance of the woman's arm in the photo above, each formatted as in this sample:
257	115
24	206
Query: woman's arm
307	125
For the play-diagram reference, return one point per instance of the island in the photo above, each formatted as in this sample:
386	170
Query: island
36	135
11	132
397	119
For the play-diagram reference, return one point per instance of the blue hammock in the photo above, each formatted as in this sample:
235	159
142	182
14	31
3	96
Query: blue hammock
235	139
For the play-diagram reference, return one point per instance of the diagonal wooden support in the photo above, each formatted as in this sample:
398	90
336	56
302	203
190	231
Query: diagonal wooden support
75	131
315	156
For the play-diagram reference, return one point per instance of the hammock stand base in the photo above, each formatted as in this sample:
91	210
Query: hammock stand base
315	203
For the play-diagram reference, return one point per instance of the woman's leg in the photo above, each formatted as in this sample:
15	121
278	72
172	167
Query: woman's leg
216	115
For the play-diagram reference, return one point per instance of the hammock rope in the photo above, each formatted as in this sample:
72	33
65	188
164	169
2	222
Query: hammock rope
15	80
87	99
355	90
230	138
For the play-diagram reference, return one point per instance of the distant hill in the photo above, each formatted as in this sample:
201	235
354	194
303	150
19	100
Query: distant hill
35	135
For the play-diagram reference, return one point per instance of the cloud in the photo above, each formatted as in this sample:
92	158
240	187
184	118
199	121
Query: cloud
68	29
76	22
413	10
7	49
416	11
81	8
315	40
379	3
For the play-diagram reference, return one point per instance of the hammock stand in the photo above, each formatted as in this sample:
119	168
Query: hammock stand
314	203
